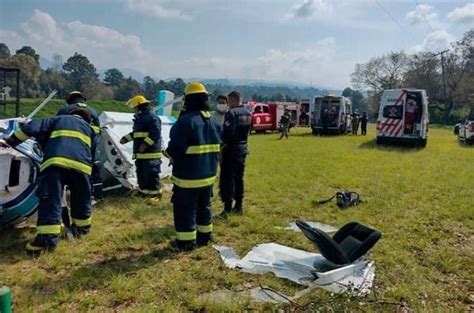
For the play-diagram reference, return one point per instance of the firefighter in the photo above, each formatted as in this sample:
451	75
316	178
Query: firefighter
284	123
221	109
363	123
75	100
355	122
234	152
194	148
146	136
69	146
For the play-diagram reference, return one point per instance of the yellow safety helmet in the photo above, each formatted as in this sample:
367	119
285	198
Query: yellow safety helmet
137	100
195	87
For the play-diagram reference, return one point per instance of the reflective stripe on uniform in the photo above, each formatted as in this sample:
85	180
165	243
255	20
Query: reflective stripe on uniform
146	156
149	141
140	134
201	149
128	137
21	135
206	114
204	228
72	134
186	235
96	129
49	229
67	163
82	223
193	183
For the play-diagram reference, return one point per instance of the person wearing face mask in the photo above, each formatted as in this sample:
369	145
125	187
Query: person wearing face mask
222	108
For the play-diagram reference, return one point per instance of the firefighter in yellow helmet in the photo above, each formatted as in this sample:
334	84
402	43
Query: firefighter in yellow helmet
194	148
146	136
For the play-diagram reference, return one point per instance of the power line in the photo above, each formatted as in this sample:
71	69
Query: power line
390	15
423	15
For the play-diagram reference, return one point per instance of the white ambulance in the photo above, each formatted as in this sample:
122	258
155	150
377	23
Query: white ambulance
331	114
403	117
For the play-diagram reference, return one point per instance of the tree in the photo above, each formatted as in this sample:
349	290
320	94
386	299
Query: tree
51	80
30	73
81	74
57	62
127	89
150	87
27	50
459	70
280	96
357	98
386	72
4	51
113	77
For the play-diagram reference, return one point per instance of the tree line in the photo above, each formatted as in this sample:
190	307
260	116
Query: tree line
78	73
447	77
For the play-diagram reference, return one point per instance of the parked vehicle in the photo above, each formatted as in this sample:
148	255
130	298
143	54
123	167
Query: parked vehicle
466	131
403	117
265	116
331	114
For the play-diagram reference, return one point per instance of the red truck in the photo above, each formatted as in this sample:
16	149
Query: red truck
265	116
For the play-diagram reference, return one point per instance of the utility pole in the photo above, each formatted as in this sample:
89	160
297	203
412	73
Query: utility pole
443	72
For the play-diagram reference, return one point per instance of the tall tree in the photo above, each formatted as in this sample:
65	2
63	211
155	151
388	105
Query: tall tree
459	70
127	89
4	51
150	87
57	62
113	77
378	74
27	50
81	74
30	73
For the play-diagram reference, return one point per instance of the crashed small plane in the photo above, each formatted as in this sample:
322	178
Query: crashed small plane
20	164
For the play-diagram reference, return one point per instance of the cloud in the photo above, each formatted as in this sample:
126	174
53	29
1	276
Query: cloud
311	8
105	47
155	8
424	13
314	63
463	14
434	42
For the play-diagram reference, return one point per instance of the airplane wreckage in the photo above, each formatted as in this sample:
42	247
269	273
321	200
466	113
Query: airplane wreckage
20	164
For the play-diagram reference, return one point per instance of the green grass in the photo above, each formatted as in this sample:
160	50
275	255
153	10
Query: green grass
28	105
420	199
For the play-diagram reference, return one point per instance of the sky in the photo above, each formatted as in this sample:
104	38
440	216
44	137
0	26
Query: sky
315	42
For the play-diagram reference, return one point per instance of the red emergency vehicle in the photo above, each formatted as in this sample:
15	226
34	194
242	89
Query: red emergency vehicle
265	116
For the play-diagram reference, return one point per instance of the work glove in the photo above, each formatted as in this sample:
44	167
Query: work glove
123	140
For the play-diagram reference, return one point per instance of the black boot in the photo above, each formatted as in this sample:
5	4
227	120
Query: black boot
238	207
183	245
227	210
203	239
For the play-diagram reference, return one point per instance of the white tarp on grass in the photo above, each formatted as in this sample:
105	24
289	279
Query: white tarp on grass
302	267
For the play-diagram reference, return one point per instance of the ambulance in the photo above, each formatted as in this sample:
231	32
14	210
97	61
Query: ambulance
331	114
403	117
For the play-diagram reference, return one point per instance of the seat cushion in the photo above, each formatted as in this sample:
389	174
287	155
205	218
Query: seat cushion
356	239
325	244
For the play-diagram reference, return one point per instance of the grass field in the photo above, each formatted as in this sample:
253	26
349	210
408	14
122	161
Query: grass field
420	199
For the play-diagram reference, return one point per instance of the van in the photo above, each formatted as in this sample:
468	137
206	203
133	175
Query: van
403	117
331	114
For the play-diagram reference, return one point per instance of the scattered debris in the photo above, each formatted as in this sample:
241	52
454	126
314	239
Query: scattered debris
324	227
302	267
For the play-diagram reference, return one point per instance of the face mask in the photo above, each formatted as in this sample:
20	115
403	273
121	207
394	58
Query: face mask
222	107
